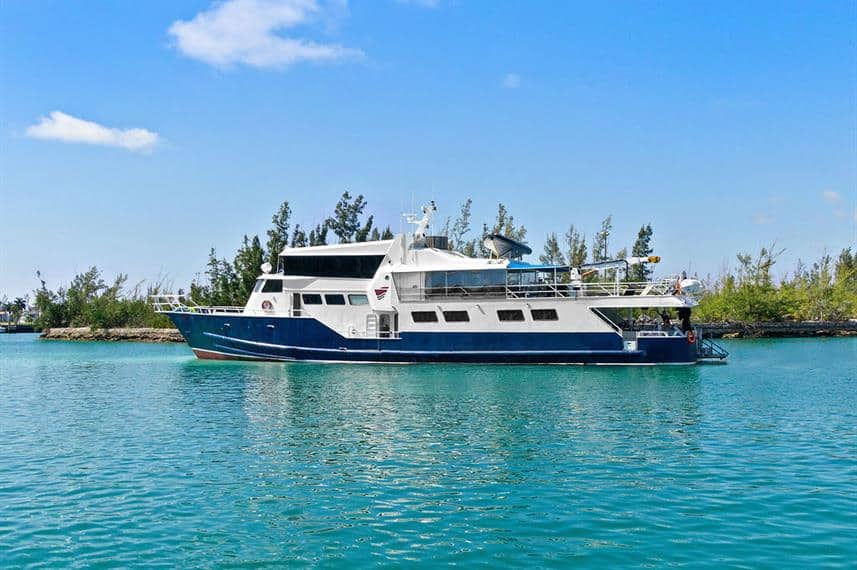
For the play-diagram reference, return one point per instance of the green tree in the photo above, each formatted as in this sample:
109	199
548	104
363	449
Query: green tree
552	253
642	248
363	233
461	227
248	261
318	236
345	222
576	244
299	237
278	235
387	234
602	239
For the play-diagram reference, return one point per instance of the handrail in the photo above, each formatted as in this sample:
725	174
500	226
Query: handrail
661	288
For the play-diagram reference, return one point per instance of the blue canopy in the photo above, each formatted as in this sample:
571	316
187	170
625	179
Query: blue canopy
515	265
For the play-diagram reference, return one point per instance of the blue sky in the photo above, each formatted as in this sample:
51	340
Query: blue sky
726	126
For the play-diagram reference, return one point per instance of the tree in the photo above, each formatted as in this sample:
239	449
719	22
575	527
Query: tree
318	236
461	227
363	233
576	244
388	233
602	238
505	225
552	254
642	248
375	235
248	261
278	235
299	238
345	222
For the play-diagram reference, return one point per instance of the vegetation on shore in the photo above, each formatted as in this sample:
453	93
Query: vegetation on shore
826	290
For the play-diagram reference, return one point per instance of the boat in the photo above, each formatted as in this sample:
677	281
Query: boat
411	299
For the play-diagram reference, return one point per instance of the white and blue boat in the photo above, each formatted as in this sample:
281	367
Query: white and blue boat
410	299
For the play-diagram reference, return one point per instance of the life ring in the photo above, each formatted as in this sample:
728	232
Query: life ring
691	337
267	305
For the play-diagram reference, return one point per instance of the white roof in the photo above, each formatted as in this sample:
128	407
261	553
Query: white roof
362	248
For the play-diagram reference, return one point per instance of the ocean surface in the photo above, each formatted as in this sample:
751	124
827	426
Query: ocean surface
140	455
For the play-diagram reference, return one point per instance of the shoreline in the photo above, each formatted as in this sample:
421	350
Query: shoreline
124	334
793	329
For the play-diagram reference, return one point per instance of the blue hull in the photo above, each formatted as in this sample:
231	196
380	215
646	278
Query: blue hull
287	339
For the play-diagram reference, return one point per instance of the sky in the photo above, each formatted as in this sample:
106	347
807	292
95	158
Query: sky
135	136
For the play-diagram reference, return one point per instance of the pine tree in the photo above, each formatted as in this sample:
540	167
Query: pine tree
461	227
299	238
278	235
602	238
388	233
576	244
248	261
552	254
642	248
345	222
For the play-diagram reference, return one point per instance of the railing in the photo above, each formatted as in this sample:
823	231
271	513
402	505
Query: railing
707	349
663	287
182	304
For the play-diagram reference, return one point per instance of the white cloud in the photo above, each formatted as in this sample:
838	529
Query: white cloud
763	219
61	127
246	32
512	81
831	196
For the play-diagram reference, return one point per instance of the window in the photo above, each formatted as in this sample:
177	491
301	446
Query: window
272	286
334	299
312	299
456	316
259	284
510	315
424	316
544	315
350	266
358	299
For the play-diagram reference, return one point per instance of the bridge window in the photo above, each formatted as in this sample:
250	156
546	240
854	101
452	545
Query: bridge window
544	315
334	299
424	316
456	316
312	299
358	299
510	315
346	266
272	286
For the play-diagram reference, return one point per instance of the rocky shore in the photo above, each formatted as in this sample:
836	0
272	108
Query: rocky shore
122	334
787	329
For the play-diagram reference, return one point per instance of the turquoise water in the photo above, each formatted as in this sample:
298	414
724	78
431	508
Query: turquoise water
135	454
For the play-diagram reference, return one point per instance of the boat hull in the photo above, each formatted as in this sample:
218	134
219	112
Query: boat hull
242	337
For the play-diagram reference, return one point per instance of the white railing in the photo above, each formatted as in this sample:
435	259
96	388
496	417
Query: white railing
663	287
182	304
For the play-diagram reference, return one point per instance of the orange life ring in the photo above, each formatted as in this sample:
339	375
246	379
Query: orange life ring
267	305
691	337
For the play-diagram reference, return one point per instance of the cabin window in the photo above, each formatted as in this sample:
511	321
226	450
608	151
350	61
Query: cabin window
510	315
544	315
272	286
456	316
259	284
358	299
312	299
465	281
424	316
334	299
346	266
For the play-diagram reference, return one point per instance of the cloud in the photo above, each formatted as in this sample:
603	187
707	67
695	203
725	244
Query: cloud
59	126
831	197
512	81
763	219
246	32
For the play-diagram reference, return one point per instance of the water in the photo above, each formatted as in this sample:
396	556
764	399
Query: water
134	454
